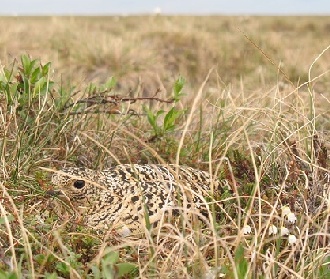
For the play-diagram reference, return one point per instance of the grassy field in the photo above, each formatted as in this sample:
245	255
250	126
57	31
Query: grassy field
245	98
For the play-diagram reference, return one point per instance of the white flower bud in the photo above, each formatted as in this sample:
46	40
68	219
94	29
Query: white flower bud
291	218
272	230
285	210
292	239
247	229
284	231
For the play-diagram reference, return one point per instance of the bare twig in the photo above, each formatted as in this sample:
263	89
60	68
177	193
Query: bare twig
109	111
115	100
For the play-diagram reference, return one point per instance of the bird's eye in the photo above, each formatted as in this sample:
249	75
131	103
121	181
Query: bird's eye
78	184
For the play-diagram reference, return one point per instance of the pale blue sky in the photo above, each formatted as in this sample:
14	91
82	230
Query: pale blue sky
96	7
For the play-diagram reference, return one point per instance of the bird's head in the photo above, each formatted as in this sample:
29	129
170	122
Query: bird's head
78	185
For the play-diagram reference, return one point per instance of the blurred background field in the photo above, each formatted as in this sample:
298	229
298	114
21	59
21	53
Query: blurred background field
156	49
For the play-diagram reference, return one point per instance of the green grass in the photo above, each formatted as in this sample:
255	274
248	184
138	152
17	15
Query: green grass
247	122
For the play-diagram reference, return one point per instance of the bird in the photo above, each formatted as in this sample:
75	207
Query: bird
122	196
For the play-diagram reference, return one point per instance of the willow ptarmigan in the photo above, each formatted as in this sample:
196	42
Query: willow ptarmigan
120	197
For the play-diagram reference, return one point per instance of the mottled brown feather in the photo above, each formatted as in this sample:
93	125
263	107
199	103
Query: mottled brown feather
120	196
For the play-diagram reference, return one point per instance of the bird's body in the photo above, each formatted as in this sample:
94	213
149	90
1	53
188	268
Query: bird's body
122	196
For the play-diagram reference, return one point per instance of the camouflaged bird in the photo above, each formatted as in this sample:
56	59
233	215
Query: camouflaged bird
119	197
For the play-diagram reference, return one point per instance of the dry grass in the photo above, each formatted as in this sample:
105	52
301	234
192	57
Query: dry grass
92	49
255	122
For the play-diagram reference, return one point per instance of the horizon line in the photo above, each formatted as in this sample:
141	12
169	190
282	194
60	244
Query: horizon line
164	14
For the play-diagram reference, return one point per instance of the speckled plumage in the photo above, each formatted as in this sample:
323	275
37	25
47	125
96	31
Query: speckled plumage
118	197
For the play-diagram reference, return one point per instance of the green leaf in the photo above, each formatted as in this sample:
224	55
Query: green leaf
110	83
171	117
51	276
9	218
324	270
111	258
8	275
92	88
35	75
40	258
241	262
152	119
177	89
96	272
125	268
25	61
27	64
26	85
8	74
63	267
169	120
45	69
39	86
